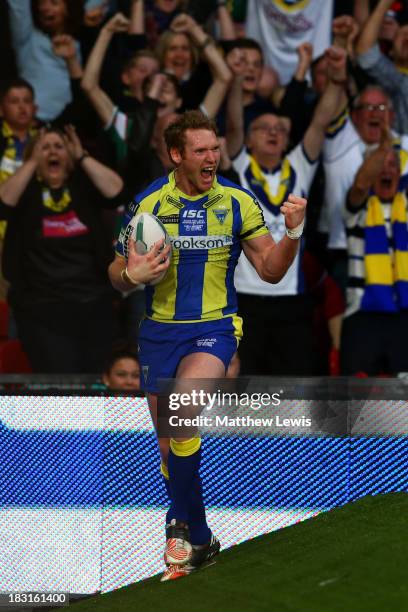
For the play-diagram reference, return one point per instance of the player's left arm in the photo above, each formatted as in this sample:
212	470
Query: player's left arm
272	260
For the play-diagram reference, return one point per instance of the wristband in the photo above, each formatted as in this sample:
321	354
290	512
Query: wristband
81	159
296	232
125	276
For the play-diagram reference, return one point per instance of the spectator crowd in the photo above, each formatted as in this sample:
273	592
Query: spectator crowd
310	97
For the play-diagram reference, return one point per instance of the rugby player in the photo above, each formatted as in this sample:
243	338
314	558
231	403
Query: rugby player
191	325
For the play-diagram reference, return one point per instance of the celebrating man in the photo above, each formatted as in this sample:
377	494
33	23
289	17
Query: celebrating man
191	326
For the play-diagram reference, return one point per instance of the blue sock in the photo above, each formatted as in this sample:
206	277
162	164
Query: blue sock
200	533
183	466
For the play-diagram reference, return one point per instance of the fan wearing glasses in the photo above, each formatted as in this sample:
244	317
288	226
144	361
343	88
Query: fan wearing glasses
278	317
371	111
349	140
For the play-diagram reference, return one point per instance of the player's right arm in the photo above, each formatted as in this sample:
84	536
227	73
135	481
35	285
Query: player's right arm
138	269
130	269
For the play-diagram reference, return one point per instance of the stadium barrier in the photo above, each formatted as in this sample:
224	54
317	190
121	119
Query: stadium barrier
82	498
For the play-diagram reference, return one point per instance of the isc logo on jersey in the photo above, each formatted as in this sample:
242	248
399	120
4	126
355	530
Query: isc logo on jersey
193	214
194	221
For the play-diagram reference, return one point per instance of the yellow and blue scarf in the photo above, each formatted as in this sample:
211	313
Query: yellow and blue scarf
259	185
386	275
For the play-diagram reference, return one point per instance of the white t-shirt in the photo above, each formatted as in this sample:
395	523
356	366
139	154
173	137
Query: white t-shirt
246	277
282	25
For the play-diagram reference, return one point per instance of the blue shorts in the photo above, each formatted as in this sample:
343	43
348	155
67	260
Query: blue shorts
163	345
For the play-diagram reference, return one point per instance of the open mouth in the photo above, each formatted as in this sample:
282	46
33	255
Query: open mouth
386	182
374	123
54	164
208	173
249	80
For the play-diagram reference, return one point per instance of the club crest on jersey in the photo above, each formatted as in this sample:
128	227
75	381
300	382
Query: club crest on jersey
221	214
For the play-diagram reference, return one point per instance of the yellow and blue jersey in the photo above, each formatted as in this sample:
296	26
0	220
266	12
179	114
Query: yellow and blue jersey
206	233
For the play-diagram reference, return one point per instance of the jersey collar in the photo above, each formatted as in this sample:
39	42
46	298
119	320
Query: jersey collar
179	195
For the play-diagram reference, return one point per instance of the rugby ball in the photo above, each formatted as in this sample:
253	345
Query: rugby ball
146	229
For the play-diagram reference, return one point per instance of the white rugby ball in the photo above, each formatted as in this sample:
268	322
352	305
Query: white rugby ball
146	229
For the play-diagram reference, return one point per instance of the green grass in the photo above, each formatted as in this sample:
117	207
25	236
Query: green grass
352	559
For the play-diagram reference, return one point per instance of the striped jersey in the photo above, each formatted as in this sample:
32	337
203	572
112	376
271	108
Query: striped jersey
206	233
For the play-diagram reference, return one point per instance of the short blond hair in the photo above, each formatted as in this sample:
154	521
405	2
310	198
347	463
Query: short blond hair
175	133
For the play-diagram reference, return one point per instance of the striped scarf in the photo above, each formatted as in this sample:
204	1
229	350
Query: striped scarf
259	185
386	275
